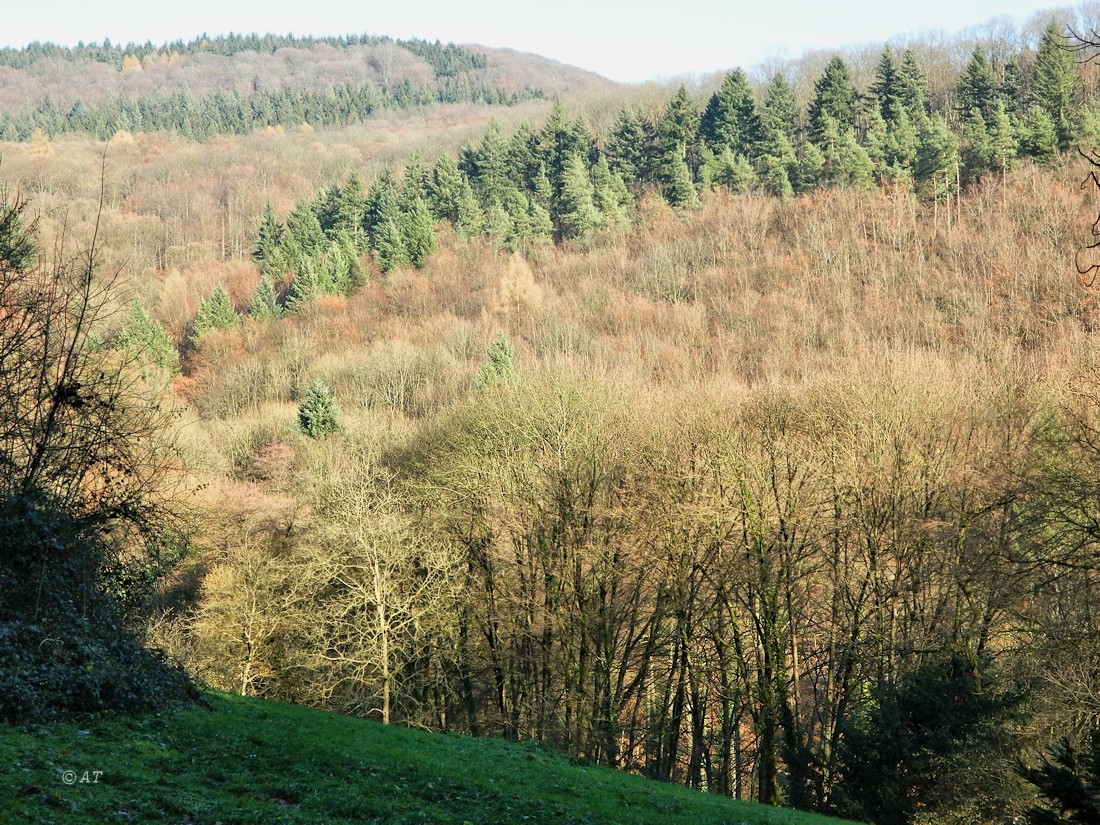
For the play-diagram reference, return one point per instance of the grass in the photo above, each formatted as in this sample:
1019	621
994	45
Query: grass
251	761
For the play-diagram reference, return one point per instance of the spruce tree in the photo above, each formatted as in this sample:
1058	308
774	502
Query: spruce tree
265	303
901	146
416	183
834	99
1002	139
215	312
518	212
308	283
318	413
914	87
558	141
937	158
1038	136
774	177
350	209
1054	83
499	366
977	147
541	225
304	229
629	146
418	231
144	337
522	161
578	217
1068	781
389	245
487	165
381	206
811	167
611	196
976	88
269	235
779	113
853	168
499	226
875	142
731	118
678	132
887	89
679	188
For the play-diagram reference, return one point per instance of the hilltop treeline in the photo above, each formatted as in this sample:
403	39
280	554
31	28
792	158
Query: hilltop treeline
448	59
236	84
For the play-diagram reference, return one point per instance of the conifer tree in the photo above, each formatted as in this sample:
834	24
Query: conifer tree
853	167
679	188
1054	83
936	169
215	312
144	337
389	249
1068	782
522	161
499	226
541	225
901	147
304	229
733	171
976	88
914	87
487	165
887	88
779	113
678	130
731	118
269	235
611	196
977	147
834	99
811	167
541	190
418	232
350	209
416	182
381	206
265	303
774	177
308	283
577	214
1002	139
453	199
499	366
1038	136
875	140
629	146
318	413
558	141
517	210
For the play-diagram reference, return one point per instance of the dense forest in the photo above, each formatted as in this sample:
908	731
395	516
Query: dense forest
745	439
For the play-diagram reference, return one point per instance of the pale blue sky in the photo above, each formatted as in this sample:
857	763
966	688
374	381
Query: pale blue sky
622	39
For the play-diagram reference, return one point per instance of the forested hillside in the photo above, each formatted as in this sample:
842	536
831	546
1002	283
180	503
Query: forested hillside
238	84
740	435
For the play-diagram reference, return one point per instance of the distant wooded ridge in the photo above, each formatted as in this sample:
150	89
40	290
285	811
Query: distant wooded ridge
447	59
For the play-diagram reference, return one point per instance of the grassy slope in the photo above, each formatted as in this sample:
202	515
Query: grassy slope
261	762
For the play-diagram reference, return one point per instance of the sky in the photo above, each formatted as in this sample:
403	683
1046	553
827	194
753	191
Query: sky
626	40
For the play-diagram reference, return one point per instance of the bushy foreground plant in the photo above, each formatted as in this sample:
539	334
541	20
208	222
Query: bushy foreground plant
85	490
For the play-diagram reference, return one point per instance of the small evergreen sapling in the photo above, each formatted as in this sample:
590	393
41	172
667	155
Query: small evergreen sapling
499	368
318	414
